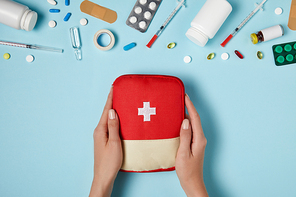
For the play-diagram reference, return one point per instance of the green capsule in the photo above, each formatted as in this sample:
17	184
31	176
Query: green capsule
171	45
211	56
259	55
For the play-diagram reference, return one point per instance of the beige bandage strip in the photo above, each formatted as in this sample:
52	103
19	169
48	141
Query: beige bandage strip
98	11
292	17
147	155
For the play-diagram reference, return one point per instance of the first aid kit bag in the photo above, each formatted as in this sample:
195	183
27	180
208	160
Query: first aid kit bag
151	109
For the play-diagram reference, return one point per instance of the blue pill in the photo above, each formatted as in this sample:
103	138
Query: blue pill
129	46
67	2
67	16
54	10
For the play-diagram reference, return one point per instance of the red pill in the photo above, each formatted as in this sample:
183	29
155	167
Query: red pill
239	54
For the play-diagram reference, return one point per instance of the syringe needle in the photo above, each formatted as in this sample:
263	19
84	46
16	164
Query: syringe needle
242	24
157	34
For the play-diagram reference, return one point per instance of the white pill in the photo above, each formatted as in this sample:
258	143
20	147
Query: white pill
133	19
225	56
278	11
143	2
187	59
142	24
152	5
52	2
83	21
138	10
147	15
52	24
30	58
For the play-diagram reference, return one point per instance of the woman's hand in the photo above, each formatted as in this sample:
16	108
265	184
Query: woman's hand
190	155
107	151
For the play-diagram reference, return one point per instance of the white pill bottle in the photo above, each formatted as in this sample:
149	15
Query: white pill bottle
17	15
208	21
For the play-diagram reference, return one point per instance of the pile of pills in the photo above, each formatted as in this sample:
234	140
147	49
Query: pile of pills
53	23
142	14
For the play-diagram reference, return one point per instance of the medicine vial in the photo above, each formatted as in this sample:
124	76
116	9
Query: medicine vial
267	34
208	21
17	15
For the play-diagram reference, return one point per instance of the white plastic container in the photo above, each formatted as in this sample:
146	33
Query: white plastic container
17	15
208	21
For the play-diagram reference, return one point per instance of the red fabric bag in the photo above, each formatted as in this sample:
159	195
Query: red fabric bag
151	109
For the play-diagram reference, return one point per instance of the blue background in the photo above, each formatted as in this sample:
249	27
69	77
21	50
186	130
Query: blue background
49	108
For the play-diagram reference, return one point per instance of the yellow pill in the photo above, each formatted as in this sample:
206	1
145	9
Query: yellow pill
6	56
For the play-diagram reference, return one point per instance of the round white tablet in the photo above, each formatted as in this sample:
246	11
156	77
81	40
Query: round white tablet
52	24
133	19
52	2
142	24
147	15
83	21
225	56
187	59
143	2
138	10
30	58
278	11
152	5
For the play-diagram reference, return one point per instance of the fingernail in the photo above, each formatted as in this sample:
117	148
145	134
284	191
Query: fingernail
185	124
111	114
187	95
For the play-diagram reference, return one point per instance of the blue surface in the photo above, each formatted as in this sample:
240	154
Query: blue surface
49	108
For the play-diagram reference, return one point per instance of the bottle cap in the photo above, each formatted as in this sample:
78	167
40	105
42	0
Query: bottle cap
197	36
30	21
254	38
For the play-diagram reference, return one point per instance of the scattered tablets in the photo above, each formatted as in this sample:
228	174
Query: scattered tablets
171	45
83	21
225	56
68	15
30	58
6	56
259	55
52	24
278	11
129	46
187	59
54	10
211	56
238	54
52	2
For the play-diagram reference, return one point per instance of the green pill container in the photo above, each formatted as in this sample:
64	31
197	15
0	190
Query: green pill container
284	53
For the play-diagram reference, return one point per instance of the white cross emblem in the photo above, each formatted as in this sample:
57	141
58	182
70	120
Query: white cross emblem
146	111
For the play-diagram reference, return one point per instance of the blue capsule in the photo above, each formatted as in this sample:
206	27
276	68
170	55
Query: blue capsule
67	16
129	46
67	2
54	10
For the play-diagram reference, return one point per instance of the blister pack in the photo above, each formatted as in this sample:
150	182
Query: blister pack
284	53
142	14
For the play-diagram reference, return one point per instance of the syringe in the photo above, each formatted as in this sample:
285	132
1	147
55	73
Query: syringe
242	23
157	34
31	46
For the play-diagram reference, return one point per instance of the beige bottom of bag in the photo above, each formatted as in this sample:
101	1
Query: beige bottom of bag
149	155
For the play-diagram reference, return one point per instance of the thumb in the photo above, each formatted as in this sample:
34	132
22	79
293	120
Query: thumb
113	125
185	137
